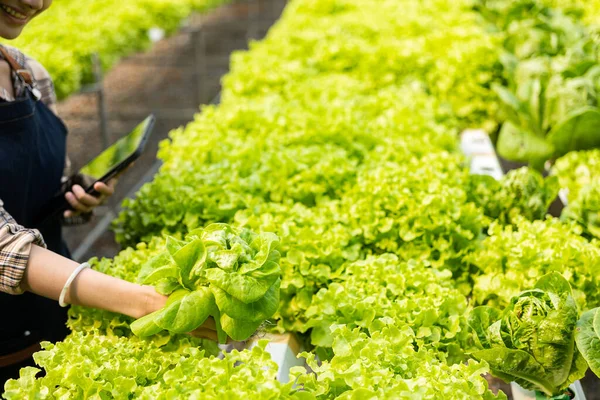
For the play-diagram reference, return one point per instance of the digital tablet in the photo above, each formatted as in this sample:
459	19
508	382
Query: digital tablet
116	158
107	165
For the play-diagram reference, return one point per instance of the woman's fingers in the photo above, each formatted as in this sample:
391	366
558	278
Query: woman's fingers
85	198
83	202
208	330
209	324
106	190
205	334
76	204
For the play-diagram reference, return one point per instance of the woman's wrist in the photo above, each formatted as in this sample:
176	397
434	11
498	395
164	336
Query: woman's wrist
148	302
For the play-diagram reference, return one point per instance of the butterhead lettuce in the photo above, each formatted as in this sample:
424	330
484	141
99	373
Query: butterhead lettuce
231	275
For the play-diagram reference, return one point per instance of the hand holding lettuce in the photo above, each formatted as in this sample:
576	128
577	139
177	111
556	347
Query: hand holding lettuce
221	272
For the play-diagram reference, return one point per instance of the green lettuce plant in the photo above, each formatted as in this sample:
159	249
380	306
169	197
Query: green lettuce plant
512	258
585	210
387	364
229	274
587	337
107	28
383	287
182	367
532	341
522	193
550	88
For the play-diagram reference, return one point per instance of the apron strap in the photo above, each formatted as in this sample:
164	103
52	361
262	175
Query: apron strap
23	73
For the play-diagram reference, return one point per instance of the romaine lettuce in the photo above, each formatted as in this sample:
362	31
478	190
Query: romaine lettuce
532	341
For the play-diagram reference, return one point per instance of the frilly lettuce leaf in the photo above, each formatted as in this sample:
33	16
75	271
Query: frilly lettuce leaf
585	210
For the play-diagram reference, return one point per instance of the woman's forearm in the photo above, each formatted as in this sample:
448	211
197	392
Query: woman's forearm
47	273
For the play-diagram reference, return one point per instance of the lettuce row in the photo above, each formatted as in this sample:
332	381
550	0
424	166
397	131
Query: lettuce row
108	28
549	94
213	169
512	258
343	93
101	367
387	364
404	294
229	274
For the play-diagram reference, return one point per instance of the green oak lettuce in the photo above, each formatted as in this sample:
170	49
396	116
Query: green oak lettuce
102	367
386	288
532	341
219	271
512	258
388	365
577	170
585	210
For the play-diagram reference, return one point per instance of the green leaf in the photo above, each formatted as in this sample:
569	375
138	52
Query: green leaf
174	245
517	144
580	130
579	366
257	311
239	329
246	288
164	273
509	99
167	286
555	283
146	326
588	339
216	314
517	364
480	320
186	313
190	259
160	262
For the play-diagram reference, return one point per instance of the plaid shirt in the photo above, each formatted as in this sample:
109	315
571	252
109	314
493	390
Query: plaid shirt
15	240
41	78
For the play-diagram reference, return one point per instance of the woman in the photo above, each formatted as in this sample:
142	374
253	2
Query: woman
34	259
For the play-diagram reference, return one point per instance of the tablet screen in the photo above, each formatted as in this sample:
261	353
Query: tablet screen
117	153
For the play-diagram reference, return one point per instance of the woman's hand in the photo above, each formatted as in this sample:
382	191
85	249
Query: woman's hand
153	301
83	202
47	272
207	330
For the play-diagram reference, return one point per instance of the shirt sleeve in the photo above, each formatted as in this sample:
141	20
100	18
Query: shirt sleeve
15	246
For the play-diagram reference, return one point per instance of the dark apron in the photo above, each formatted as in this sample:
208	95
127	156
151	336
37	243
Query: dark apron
32	158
